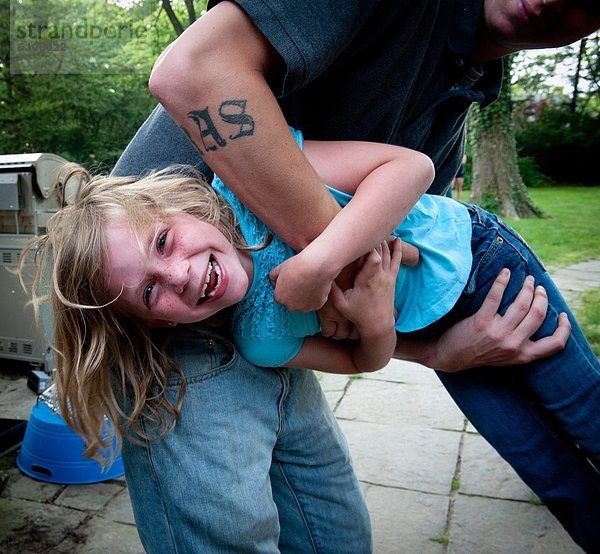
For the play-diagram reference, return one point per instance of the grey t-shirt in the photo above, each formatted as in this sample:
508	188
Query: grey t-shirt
393	71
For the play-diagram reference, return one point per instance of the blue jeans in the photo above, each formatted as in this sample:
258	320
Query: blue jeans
543	418
256	463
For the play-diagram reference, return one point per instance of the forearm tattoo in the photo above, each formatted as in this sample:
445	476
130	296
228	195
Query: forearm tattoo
232	117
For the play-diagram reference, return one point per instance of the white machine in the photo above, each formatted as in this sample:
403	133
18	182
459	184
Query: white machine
28	197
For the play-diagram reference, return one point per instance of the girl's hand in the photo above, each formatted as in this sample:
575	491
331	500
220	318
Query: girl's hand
370	303
301	283
333	323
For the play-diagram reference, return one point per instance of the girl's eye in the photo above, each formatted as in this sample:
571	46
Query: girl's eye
161	242
148	294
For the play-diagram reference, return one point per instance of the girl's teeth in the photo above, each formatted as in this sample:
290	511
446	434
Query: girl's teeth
213	265
217	269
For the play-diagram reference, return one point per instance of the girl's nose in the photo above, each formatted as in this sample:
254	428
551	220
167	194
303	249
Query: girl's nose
177	275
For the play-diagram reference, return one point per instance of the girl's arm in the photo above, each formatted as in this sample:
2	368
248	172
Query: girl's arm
370	306
385	182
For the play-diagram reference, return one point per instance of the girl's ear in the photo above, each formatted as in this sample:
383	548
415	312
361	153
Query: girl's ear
160	323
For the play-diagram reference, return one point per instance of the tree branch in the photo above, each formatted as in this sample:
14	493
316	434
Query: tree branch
166	4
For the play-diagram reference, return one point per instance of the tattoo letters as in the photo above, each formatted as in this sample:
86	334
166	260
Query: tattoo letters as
233	114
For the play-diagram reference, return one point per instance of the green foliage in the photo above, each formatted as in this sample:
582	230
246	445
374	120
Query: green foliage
84	118
496	182
589	317
497	117
440	540
88	116
564	145
531	174
557	111
570	76
488	201
74	37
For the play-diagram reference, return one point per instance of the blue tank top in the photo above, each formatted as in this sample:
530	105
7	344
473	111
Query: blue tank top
267	334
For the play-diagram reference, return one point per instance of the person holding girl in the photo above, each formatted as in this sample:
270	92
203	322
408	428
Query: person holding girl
167	249
394	72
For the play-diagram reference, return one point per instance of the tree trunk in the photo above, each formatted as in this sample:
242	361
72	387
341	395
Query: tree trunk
574	96
497	184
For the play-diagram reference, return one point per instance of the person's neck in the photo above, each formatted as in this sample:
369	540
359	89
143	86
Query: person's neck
487	49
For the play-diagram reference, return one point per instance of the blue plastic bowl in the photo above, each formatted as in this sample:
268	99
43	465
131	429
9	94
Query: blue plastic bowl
52	452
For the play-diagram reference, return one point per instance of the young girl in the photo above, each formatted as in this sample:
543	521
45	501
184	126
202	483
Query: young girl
167	249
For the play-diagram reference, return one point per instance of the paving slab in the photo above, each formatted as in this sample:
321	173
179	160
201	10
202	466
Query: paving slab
333	387
484	473
572	298
406	437
408	457
110	537
470	428
483	525
92	497
592	278
575	279
404	404
27	526
25	488
401	371
331	381
406	521
119	509
572	284
592	266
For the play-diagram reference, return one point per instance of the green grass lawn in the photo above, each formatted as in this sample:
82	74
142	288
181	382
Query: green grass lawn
569	235
571	232
589	318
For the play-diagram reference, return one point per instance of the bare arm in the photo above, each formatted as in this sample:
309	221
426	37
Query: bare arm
487	338
217	91
385	181
213	82
370	306
216	72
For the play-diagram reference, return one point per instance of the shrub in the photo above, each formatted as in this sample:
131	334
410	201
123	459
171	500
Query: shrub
564	145
531	174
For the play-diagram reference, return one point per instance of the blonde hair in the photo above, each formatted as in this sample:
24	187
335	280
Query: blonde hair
103	355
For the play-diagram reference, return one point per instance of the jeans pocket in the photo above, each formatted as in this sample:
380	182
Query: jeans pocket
484	254
512	233
199	354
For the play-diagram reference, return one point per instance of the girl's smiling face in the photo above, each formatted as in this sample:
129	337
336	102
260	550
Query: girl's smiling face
183	271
